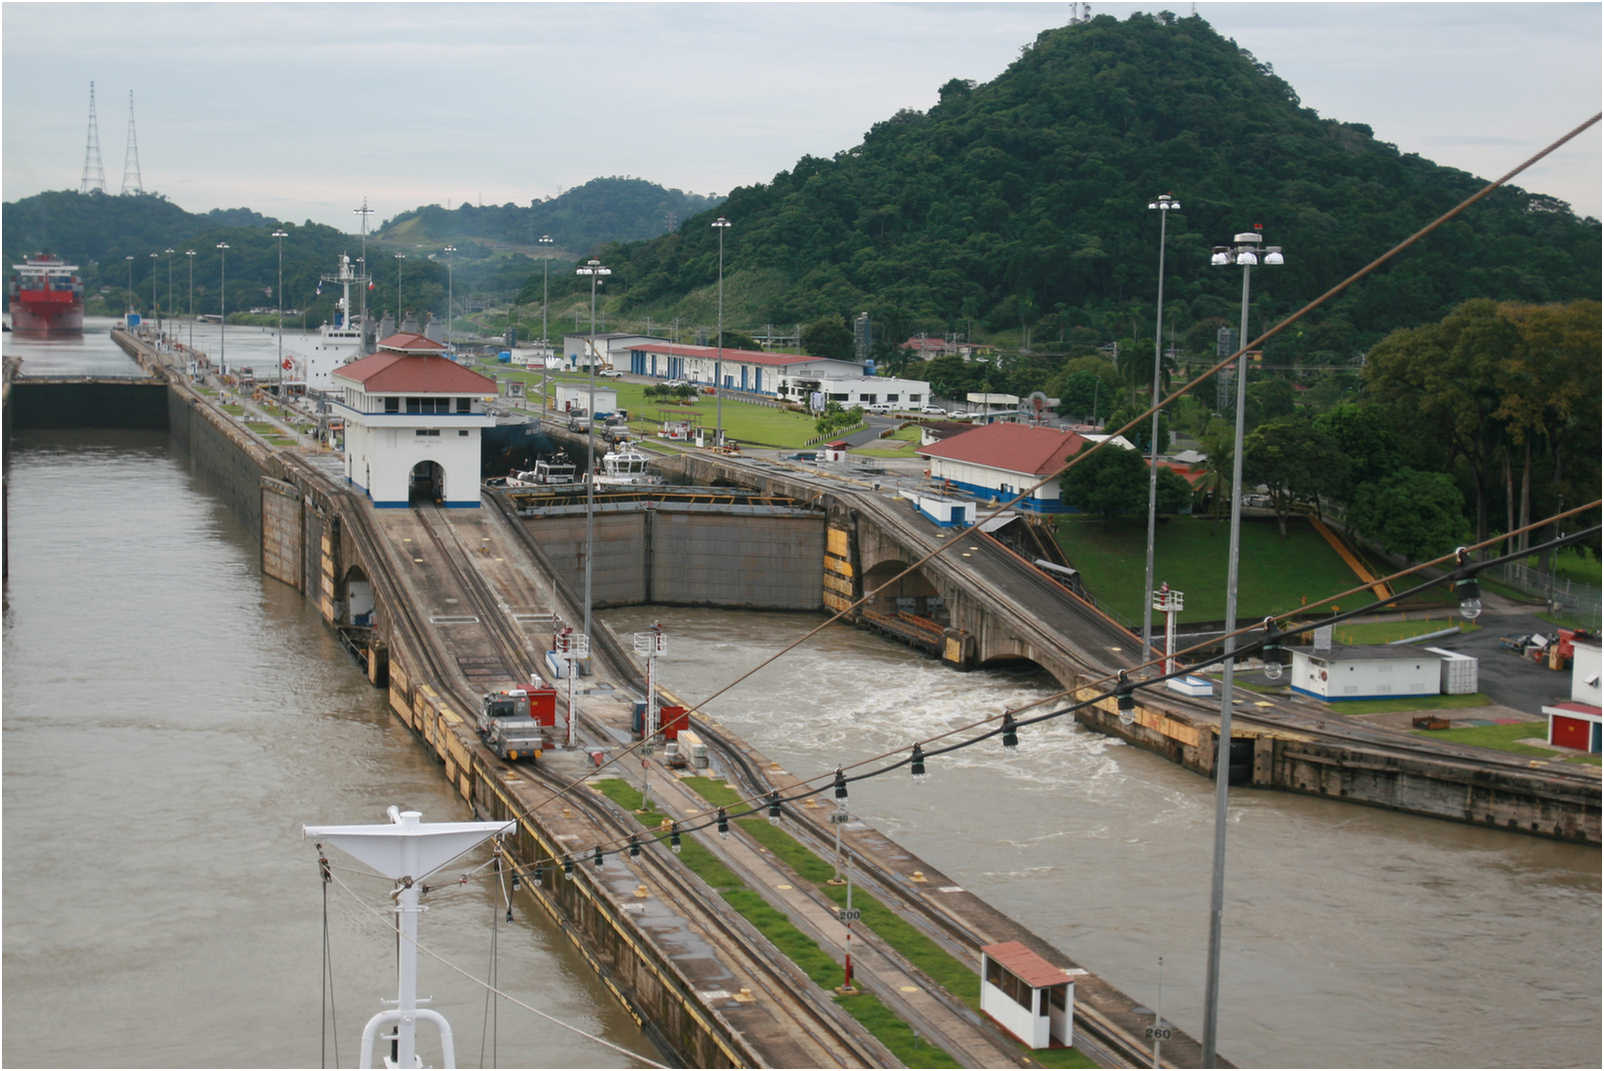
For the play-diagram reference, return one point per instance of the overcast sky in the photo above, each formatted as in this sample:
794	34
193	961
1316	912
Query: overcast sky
300	110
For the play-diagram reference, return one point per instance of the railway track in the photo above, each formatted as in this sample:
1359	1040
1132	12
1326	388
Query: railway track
827	1036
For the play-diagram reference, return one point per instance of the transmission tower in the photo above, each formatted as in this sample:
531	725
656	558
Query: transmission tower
94	172
131	161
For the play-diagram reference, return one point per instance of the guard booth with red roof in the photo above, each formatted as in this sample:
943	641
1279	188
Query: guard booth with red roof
412	424
1027	996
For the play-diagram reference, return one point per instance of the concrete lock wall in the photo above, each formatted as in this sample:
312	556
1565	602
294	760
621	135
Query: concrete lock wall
690	558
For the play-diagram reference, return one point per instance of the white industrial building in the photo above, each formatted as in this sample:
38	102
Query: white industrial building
611	348
997	461
793	376
412	424
1365	672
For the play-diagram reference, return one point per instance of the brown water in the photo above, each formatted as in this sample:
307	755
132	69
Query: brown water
171	719
1351	936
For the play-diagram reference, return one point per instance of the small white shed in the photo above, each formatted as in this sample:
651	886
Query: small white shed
1027	996
575	398
1365	672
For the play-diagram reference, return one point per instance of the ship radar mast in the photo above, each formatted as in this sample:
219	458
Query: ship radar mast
407	850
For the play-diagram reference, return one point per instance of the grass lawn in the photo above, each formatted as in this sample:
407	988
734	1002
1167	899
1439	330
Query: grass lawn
756	425
1575	563
1417	702
1497	737
1378	632
1190	554
900	443
802	950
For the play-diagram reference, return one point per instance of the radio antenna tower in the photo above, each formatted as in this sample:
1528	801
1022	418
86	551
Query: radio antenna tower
94	171
131	161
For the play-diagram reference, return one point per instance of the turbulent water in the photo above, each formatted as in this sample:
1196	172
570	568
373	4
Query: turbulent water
1351	936
171	719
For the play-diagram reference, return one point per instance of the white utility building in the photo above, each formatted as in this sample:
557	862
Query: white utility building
412	424
611	348
1365	672
997	461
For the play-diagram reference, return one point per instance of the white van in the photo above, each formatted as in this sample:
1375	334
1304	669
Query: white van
879	407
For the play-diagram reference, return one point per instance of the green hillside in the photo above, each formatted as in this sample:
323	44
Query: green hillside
1020	206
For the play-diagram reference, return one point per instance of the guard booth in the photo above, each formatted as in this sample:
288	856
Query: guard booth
1027	996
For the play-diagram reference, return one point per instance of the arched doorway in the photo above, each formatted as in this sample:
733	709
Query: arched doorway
427	483
356	592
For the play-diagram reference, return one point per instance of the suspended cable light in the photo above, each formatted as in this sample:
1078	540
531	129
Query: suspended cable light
1273	651
634	846
1466	589
568	867
1126	701
723	822
673	838
774	808
1010	730
597	859
916	765
840	784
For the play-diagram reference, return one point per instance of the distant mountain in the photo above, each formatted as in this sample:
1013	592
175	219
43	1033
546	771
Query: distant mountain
1019	208
579	221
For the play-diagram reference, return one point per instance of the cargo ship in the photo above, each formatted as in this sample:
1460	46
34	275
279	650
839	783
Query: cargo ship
47	297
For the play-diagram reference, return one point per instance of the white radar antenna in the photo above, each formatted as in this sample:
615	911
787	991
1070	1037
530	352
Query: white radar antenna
407	851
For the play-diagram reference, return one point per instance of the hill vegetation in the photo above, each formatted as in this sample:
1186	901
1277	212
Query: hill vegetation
579	220
1017	211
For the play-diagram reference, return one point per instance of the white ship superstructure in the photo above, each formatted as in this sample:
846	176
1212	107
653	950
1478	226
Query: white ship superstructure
312	366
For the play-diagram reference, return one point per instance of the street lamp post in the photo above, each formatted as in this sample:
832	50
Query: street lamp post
450	249
222	309
155	306
1165	205
1245	252
594	269
399	257
279	235
169	253
545	301
130	259
189	254
722	225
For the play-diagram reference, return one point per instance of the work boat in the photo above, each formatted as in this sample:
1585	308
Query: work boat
624	466
312	366
406	851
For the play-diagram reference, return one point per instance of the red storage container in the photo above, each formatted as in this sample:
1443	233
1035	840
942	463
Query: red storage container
672	720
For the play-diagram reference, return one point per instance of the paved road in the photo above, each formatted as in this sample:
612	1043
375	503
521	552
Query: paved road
1501	675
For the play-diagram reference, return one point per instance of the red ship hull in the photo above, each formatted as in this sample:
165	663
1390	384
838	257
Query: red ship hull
49	312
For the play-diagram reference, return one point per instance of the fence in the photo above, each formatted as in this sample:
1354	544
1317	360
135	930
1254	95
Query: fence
1561	592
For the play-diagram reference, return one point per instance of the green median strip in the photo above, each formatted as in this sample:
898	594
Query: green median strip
802	950
960	979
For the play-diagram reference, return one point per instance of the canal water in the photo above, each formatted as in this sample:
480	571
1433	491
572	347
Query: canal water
1352	936
171	719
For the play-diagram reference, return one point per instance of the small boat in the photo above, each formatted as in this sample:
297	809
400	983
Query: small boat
624	466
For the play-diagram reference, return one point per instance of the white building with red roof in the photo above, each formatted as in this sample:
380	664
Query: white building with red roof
997	461
412	423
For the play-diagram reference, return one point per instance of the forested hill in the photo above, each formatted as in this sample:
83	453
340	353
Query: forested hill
89	228
1022	203
579	220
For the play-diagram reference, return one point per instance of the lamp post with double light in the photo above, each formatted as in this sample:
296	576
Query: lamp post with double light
222	308
189	254
1246	250
130	259
593	268
1164	205
279	235
155	306
399	257
545	300
170	305
448	250
722	225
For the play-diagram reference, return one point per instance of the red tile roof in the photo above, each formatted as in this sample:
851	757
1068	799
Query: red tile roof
400	374
1026	965
1013	447
778	360
411	342
1572	707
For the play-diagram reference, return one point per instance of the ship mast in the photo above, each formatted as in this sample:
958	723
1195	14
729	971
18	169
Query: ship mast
407	851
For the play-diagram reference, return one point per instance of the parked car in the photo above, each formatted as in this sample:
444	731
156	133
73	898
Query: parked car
879	407
611	373
933	410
